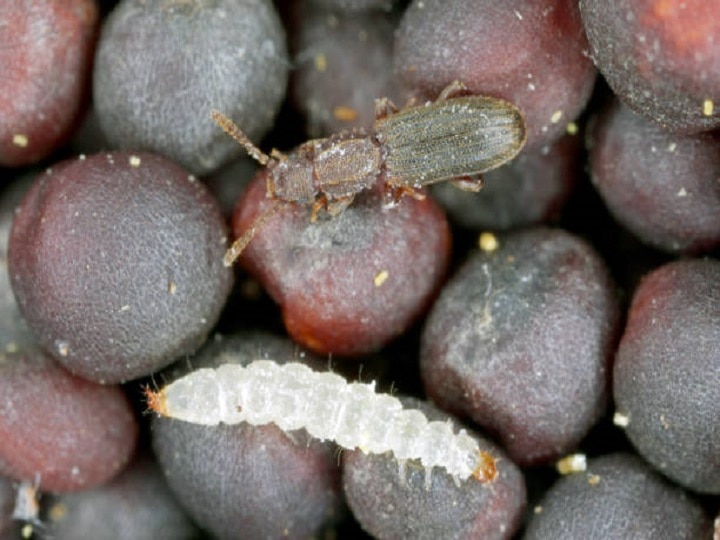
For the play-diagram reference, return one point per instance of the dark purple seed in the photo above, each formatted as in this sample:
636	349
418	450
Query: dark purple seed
15	335
667	371
7	502
520	340
618	496
661	186
352	6
161	67
45	56
136	504
116	264
229	183
344	64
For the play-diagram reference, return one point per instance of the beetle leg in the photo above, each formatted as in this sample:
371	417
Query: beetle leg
337	206
468	183
384	107
412	102
454	89
321	203
393	193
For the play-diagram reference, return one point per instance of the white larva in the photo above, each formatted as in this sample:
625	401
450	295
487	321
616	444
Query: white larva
293	396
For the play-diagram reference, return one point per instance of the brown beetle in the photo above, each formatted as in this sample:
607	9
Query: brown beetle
452	138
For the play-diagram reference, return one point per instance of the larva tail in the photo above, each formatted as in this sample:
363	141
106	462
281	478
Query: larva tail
156	401
485	471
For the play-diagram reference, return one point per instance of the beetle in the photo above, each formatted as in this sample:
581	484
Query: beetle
454	138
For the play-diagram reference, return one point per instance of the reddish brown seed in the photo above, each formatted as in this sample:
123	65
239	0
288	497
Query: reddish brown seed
350	284
63	431
531	53
660	57
45	52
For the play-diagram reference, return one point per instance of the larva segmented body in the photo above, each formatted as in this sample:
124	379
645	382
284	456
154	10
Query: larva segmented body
293	396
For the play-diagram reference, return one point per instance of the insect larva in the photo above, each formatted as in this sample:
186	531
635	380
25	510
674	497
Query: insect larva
353	415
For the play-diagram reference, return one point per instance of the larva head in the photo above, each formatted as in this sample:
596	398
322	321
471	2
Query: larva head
485	470
155	400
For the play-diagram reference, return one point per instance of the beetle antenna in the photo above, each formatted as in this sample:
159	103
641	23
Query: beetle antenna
239	245
229	127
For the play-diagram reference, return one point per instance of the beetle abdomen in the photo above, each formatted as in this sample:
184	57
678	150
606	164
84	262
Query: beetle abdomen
445	139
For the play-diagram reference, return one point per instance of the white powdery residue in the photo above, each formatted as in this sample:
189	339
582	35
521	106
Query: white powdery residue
353	415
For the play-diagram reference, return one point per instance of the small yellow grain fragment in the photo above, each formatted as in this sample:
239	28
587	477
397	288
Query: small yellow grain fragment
538	509
488	242
556	116
345	114
708	107
134	161
621	419
20	140
380	278
320	62
172	287
593	479
572	128
62	347
57	512
572	463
